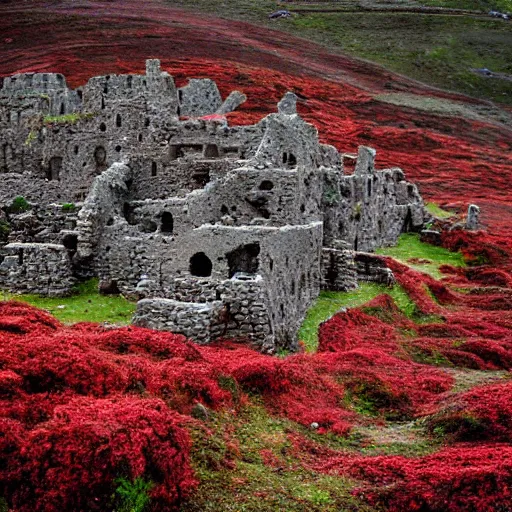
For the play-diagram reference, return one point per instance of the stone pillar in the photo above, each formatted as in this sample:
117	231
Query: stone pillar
472	220
365	163
288	104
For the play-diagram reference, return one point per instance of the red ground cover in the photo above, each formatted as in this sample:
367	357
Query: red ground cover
482	414
460	479
60	386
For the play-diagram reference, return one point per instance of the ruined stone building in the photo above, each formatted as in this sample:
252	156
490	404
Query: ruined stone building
221	231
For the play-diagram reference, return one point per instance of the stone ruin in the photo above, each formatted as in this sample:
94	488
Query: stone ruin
220	231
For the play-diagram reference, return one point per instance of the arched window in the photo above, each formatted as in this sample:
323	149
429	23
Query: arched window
266	185
100	156
200	265
54	168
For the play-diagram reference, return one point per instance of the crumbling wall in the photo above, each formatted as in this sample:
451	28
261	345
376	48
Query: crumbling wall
43	269
106	200
48	223
339	271
370	208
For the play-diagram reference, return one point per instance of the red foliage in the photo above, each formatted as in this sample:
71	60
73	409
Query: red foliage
68	462
20	318
475	246
451	480
66	429
481	414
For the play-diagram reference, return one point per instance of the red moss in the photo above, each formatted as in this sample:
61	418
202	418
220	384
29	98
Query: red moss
451	480
69	462
481	414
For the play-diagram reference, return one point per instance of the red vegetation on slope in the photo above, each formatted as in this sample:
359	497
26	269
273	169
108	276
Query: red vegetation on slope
452	480
61	385
68	462
482	414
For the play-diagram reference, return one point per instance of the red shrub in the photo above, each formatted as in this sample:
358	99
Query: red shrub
20	318
484	413
451	480
70	462
475	246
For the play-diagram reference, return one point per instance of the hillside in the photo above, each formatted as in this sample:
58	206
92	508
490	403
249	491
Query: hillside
401	403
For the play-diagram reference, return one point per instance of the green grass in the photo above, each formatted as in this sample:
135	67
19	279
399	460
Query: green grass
475	5
439	50
329	303
437	211
409	246
86	306
234	476
67	118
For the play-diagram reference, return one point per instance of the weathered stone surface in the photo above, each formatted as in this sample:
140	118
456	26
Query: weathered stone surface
288	104
222	231
473	218
232	102
199	98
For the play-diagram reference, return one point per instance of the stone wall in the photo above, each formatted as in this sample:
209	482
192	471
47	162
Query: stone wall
372	268
43	269
233	308
370	208
51	223
339	271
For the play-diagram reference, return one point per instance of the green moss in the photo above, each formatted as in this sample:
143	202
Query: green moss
68	207
437	211
19	205
228	457
410	247
86	306
431	357
68	118
31	137
5	229
329	303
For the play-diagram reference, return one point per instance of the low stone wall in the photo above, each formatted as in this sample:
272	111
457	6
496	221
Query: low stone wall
193	320
43	269
234	308
372	268
43	224
339	271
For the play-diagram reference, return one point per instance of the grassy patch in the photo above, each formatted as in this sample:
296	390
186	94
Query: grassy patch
67	118
437	211
475	5
245	463
86	306
400	438
440	50
329	303
431	257
409	247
